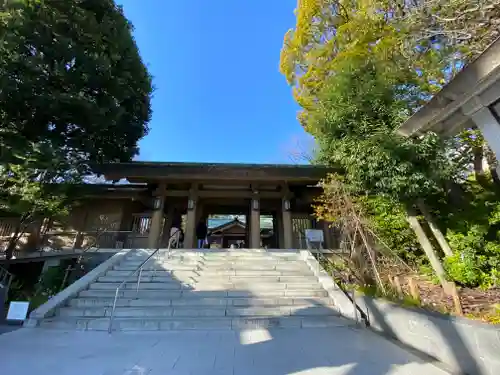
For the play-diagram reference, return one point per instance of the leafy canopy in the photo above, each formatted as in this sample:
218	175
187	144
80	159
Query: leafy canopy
73	91
72	79
349	64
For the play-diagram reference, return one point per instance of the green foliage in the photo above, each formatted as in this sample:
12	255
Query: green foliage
390	294
388	220
75	93
51	281
358	137
476	259
359	69
72	80
27	196
37	300
426	270
22	194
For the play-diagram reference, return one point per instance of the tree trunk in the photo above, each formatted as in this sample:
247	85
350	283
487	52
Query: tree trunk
11	247
455	193
427	247
478	166
494	176
492	161
47	226
492	164
435	230
20	229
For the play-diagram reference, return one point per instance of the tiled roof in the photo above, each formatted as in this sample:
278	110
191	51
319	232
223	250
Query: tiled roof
265	223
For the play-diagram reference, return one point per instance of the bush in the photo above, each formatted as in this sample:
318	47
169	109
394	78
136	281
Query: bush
464	269
388	220
51	281
476	258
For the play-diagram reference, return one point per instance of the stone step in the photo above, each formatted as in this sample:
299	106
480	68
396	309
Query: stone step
254	279
205	286
210	271
165	254
242	260
163	262
235	284
250	254
189	312
173	285
256	273
234	280
164	273
264	267
210	276
169	294
210	259
144	278
172	323
198	302
130	268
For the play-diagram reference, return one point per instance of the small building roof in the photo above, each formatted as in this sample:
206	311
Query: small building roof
443	114
226	225
237	223
218	223
138	171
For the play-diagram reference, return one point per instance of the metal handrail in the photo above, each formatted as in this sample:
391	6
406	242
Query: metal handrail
6	278
319	254
139	269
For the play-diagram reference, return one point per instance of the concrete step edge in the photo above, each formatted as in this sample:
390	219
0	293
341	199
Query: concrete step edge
224	323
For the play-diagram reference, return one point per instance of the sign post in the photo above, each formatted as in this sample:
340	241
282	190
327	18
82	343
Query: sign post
18	311
314	239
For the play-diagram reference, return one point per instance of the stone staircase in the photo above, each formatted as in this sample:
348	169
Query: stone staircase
203	290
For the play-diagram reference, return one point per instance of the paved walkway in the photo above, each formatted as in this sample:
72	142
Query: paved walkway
338	350
4	328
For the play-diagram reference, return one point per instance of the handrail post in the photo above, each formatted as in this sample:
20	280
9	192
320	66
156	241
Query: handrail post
113	311
138	269
139	282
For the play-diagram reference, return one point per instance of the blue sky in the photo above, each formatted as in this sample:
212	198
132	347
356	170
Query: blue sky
219	94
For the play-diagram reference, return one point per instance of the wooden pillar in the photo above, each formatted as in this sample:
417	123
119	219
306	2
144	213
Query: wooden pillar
279	229
78	242
247	229
167	226
200	210
34	237
157	218
327	235
190	233
255	221
286	218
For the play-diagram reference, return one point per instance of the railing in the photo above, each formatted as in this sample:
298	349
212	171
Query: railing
90	246
139	270
6	279
79	237
349	292
72	238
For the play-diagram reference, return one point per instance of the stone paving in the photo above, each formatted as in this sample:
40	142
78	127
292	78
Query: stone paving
337	351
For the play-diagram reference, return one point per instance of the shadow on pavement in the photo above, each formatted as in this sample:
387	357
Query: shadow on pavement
247	351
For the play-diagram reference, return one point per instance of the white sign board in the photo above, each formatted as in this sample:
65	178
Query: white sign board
314	235
18	310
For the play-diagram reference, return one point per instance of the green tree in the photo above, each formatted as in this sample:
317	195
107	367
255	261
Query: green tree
75	92
72	79
359	69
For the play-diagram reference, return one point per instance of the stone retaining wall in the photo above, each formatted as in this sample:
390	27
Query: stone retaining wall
466	345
